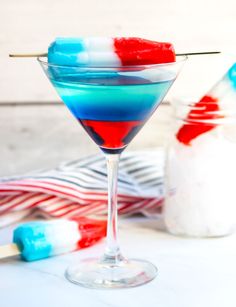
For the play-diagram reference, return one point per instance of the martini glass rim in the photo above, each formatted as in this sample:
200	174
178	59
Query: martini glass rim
180	60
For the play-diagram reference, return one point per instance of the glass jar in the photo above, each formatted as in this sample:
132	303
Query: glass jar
200	172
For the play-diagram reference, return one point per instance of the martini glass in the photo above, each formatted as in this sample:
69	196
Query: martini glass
112	104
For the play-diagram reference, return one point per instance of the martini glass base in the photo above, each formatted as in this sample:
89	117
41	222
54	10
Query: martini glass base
96	274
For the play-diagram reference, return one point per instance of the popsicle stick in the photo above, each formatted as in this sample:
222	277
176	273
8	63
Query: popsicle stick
35	55
198	53
9	250
27	55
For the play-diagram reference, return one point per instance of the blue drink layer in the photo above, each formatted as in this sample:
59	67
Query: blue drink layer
110	101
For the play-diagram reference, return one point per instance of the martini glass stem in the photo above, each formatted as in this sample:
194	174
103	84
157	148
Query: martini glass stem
112	252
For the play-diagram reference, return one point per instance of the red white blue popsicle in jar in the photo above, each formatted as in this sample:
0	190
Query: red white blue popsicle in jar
209	108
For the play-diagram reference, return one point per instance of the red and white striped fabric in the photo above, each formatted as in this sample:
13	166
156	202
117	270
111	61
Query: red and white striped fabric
79	188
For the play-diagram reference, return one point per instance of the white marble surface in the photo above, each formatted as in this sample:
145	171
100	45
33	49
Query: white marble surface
192	272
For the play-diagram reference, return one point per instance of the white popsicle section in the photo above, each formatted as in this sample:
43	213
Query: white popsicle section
98	51
98	59
63	235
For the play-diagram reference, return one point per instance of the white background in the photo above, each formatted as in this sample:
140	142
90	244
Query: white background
30	25
33	135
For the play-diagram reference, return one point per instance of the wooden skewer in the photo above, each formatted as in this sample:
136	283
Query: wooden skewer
36	55
28	55
9	250
198	53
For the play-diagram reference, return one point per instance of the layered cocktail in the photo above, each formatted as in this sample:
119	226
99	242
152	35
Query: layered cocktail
112	95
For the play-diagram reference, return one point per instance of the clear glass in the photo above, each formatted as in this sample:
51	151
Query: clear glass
200	168
112	104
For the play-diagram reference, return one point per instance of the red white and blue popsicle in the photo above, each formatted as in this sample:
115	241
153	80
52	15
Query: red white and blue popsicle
102	51
42	239
108	52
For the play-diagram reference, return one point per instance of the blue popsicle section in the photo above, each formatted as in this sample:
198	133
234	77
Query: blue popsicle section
232	75
32	239
64	51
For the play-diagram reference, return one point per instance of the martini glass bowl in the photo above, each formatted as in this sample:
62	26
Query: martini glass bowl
112	104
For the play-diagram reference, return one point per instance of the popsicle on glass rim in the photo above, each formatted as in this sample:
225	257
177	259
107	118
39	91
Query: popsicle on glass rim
112	101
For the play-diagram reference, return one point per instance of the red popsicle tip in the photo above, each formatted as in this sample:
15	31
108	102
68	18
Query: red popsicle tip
138	51
206	109
91	230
